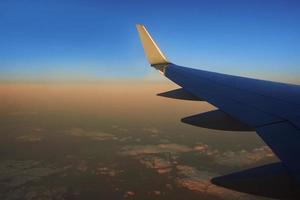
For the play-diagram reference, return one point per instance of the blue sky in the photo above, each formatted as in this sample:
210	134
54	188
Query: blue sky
89	39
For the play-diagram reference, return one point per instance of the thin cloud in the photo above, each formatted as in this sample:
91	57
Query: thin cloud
152	130
236	158
35	135
154	149
199	181
15	173
161	165
94	135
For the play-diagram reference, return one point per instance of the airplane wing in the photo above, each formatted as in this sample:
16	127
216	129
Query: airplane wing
271	108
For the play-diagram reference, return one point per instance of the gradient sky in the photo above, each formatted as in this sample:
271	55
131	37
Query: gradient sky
90	39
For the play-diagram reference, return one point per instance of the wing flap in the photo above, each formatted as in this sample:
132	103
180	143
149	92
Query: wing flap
179	93
283	138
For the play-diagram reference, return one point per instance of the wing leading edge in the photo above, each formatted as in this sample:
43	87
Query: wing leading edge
271	108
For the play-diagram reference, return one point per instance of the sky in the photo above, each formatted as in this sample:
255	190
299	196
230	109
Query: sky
97	40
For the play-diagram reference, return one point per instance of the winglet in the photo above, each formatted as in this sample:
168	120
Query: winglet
155	57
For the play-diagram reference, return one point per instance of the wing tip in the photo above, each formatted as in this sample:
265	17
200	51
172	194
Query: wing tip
139	25
151	49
